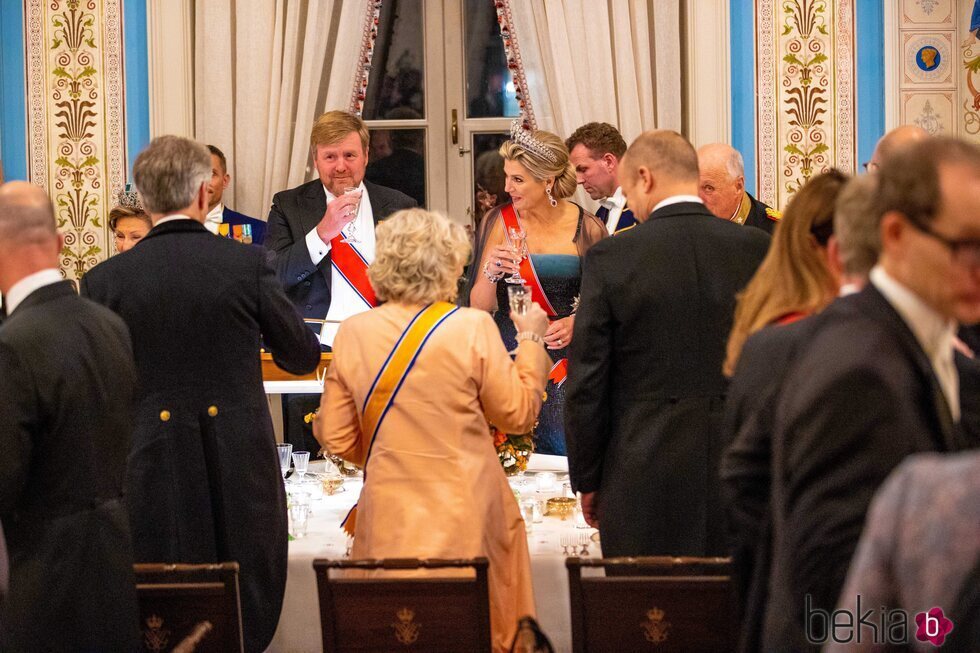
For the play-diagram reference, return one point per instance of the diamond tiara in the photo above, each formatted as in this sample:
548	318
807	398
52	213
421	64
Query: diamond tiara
523	137
129	198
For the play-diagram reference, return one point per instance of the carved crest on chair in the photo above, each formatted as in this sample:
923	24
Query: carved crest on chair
406	630
656	627
155	636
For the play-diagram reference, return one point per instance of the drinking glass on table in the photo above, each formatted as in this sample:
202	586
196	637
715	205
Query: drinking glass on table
299	516
351	229
301	460
285	451
518	240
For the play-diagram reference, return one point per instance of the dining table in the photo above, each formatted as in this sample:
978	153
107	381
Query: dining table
551	538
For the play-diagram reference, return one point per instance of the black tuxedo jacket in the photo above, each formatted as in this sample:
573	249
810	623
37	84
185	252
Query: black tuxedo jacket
860	398
645	388
66	413
294	213
204	481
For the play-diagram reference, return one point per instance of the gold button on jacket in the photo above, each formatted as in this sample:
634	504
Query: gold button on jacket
164	415
213	411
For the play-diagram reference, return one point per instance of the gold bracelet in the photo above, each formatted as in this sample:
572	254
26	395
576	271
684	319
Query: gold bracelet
529	335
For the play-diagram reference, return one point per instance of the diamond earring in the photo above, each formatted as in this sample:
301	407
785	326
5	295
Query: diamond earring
551	199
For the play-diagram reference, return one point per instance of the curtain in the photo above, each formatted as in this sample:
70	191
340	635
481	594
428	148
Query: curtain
258	90
615	61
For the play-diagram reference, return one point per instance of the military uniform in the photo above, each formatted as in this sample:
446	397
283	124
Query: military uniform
754	213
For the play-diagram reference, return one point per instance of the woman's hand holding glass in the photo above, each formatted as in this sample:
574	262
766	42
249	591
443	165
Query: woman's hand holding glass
502	260
534	320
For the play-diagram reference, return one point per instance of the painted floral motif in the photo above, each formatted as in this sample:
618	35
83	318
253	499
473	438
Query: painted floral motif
971	98
74	74
806	83
929	119
927	6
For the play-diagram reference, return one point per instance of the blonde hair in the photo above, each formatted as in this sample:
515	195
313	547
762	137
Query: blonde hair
794	277
539	167
333	126
419	257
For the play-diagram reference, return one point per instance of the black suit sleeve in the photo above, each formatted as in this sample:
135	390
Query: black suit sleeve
841	440
587	402
293	345
293	262
17	411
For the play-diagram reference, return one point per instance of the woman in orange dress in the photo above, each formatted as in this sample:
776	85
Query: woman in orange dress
434	487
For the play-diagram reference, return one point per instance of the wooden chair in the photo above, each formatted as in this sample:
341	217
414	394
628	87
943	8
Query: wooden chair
660	604
404	614
187	608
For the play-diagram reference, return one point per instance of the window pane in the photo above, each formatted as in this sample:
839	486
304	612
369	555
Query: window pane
396	159
489	84
396	83
488	173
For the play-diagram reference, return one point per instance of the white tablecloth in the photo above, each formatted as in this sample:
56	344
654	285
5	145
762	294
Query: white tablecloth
299	623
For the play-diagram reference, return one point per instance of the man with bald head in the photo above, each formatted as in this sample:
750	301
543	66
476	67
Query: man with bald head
893	141
722	188
645	388
66	411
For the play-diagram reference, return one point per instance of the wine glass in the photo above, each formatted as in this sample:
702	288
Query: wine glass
301	460
285	451
351	235
518	240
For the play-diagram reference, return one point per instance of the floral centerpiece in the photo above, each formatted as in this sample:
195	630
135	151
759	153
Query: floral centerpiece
514	450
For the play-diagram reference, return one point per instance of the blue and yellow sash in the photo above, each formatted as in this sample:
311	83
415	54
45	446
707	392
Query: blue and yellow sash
391	377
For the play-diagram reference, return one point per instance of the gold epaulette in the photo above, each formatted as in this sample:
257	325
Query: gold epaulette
773	214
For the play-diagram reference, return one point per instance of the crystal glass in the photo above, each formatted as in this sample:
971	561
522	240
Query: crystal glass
285	452
299	516
519	298
301	460
351	235
518	240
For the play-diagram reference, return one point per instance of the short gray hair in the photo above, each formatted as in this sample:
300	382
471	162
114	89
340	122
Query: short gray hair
856	226
169	172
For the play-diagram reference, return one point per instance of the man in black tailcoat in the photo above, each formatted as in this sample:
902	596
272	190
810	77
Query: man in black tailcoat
204	483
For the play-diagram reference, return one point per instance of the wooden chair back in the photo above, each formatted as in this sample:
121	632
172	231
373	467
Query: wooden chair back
660	604
370	612
187	608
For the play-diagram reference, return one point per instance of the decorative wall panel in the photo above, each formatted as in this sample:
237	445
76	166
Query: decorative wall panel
76	122
806	96
927	13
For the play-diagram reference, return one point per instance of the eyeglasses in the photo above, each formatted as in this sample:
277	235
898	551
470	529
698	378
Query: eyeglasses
966	252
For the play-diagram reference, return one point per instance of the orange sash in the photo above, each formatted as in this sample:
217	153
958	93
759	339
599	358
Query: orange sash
353	268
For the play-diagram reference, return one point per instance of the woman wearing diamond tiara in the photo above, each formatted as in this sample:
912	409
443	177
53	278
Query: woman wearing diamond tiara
557	233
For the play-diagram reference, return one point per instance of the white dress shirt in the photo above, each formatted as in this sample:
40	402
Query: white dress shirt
615	205
20	290
214	218
933	332
173	218
344	300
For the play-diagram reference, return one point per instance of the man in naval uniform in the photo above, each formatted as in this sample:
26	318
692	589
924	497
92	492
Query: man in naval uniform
722	188
595	150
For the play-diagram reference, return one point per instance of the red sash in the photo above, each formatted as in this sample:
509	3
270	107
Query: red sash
353	268
528	273
559	371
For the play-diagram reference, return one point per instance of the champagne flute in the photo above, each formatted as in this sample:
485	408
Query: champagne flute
518	240
285	456
351	235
